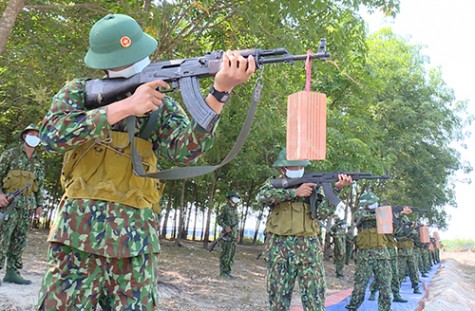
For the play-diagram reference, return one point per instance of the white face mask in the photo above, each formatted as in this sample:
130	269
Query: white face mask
32	140
234	200
131	70
294	173
373	205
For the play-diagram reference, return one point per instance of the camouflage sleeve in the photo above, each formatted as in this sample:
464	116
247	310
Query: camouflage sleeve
67	124
268	195
178	138
5	160
221	219
40	177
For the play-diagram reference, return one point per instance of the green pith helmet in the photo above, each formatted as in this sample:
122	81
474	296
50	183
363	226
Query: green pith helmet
117	40
367	198
32	126
232	194
282	161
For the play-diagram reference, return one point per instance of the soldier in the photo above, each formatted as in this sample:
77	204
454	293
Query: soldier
228	220
405	236
293	246
20	166
338	232
391	246
372	255
104	245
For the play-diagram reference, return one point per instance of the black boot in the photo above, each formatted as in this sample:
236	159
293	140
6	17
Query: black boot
416	290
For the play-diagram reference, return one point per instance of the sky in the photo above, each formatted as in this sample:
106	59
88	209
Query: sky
447	30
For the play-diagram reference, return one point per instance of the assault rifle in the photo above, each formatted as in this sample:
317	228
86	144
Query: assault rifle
11	198
398	209
324	179
222	236
184	74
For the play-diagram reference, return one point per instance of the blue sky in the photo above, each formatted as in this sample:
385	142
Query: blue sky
447	29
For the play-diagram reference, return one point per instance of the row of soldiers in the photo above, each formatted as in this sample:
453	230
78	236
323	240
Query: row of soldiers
389	257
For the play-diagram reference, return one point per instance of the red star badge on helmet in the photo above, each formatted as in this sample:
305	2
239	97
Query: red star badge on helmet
125	41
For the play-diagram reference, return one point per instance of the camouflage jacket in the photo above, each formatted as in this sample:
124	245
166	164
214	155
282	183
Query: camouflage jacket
16	159
107	228
228	217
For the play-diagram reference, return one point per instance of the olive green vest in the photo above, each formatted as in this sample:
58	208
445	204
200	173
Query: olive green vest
102	170
17	179
292	218
370	238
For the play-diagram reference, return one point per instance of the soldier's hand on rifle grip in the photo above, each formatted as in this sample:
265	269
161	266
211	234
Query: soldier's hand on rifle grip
146	98
3	200
343	181
235	69
305	190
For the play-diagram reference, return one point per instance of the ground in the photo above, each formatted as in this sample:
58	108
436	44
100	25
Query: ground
189	279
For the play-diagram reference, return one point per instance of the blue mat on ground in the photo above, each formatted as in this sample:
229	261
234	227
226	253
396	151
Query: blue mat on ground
406	292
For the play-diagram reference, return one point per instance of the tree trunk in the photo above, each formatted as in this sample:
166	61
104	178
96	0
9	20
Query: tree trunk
165	217
7	22
194	223
210	210
258	223
181	216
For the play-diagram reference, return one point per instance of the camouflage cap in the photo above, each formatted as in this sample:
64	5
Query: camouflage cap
232	194
282	161
367	198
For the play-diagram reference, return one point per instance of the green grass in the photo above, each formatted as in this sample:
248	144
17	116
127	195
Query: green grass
459	245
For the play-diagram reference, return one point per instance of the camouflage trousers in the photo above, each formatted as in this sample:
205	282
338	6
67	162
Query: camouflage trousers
366	265
77	280
292	258
408	264
226	259
13	232
426	260
393	261
338	260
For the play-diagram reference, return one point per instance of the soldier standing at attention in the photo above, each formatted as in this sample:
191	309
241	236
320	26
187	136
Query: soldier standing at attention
104	245
228	220
294	250
372	255
338	233
19	166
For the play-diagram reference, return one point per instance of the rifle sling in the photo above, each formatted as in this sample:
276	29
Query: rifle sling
194	171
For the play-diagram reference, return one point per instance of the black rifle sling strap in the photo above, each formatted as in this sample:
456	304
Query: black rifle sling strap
194	171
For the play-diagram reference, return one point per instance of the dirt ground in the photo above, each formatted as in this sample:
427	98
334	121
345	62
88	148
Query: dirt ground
189	280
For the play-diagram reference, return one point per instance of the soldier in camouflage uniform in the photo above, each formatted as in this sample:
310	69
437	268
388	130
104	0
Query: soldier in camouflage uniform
372	255
338	232
293	246
19	166
405	235
228	220
393	259
103	244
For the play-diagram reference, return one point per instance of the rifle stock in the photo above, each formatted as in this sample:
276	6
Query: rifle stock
184	74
